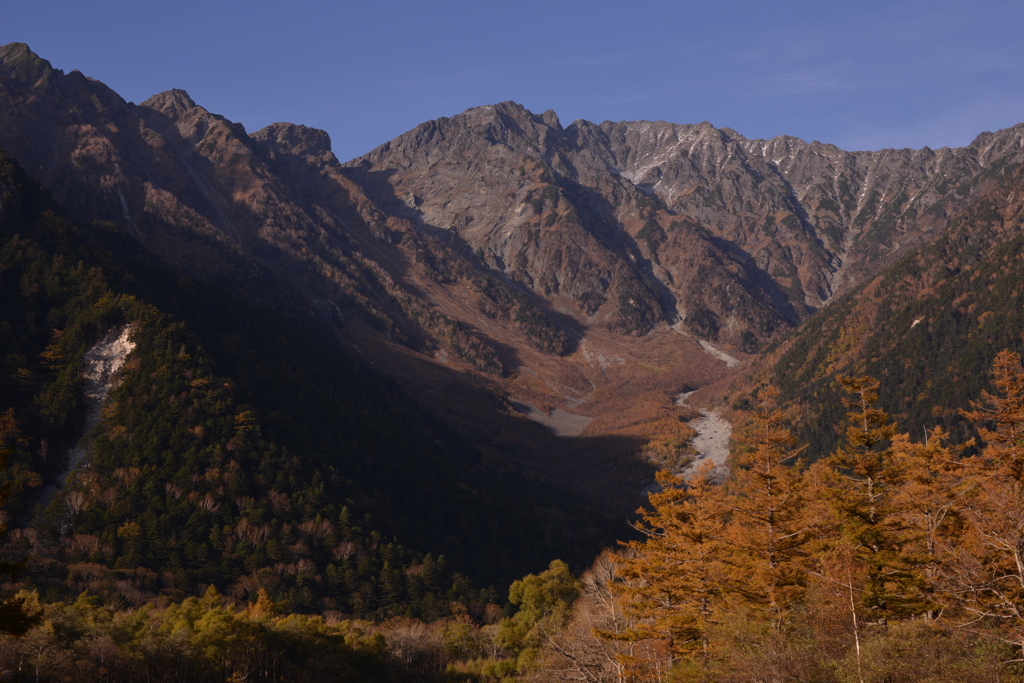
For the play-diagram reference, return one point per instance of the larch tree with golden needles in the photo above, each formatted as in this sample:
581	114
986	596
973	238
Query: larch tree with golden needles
985	575
676	578
929	498
772	520
865	477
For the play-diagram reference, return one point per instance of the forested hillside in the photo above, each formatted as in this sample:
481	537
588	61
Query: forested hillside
238	448
890	560
928	327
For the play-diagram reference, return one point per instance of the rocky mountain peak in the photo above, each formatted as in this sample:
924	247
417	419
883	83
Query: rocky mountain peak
551	119
509	120
507	108
185	124
295	140
171	103
18	61
989	146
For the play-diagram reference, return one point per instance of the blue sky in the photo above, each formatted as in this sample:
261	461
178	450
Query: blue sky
863	75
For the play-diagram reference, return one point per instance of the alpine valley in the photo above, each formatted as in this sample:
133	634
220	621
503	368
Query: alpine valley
350	402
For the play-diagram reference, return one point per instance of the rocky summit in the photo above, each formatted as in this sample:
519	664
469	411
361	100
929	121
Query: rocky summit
734	237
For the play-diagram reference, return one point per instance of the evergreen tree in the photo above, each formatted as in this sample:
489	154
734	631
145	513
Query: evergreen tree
929	499
675	582
984	574
773	520
545	605
863	480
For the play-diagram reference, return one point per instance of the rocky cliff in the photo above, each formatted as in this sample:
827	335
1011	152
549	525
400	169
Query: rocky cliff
735	237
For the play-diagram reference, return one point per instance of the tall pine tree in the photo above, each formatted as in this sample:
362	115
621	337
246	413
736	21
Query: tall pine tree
772	519
984	574
676	580
863	480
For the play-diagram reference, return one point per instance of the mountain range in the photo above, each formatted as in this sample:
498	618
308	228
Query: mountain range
501	266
